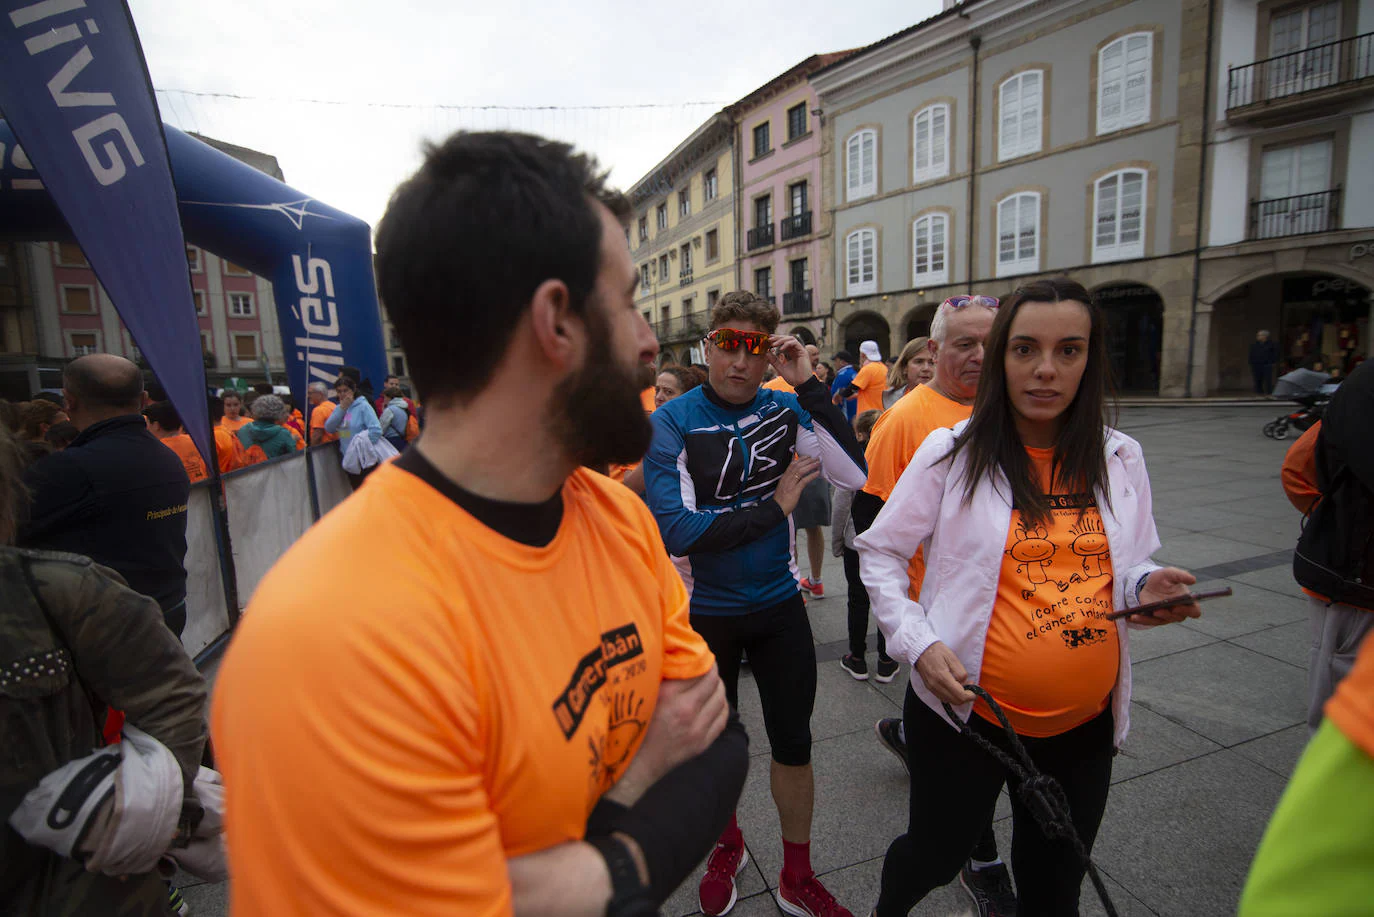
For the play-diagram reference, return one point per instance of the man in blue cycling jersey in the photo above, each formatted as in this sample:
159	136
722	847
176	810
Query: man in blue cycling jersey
723	474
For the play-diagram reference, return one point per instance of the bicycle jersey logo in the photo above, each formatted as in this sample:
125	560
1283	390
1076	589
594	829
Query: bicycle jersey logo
589	675
728	466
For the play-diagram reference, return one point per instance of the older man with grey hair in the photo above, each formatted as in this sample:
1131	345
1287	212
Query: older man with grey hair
317	393
1264	354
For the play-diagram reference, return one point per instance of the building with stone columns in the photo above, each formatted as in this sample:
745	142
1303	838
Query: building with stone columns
1005	140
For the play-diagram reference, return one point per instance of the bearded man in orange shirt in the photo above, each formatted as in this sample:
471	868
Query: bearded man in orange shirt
517	717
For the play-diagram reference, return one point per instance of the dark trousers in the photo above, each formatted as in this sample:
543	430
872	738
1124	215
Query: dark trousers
858	608
782	655
1264	377
954	787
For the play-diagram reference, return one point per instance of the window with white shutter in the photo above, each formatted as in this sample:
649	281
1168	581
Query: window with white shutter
1018	234
861	262
930	143
1124	73
1020	107
1119	216
861	165
929	237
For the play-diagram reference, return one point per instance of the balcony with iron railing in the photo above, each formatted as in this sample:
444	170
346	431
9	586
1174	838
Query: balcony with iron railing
759	236
796	226
1299	215
684	276
797	302
1277	86
682	327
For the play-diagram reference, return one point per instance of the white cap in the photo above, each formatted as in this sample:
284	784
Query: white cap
870	350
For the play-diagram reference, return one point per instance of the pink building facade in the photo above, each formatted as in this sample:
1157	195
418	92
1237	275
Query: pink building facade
783	254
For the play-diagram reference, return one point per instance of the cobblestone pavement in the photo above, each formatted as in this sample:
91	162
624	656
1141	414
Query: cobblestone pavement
1216	717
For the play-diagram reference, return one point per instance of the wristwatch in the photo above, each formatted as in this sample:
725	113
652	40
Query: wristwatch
629	896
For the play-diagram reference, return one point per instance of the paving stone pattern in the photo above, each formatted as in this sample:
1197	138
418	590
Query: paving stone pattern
1217	717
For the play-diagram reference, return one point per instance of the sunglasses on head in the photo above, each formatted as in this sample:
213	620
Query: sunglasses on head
959	302
730	340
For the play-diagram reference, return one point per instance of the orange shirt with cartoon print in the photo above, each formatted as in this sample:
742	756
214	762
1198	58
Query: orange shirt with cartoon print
871	381
228	450
1051	657
234	424
896	437
186	450
396	738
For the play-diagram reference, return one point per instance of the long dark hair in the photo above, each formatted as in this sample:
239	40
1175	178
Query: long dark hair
991	438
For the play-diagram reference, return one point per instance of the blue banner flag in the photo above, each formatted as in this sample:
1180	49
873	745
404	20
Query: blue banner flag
76	93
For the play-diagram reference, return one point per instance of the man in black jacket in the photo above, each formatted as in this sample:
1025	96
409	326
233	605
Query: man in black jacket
1335	556
116	494
1264	353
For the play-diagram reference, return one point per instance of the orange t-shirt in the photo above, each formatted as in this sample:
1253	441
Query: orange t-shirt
1351	708
186	450
896	437
1051	659
395	738
318	415
1299	473
234	425
646	399
229	450
778	384
871	381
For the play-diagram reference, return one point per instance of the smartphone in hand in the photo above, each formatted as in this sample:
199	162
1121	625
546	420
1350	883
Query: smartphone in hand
1189	599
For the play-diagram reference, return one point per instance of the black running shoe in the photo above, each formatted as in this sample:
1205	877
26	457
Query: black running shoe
889	733
887	670
990	890
855	666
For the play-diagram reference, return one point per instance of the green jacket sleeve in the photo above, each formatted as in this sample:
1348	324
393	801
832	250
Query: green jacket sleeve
1317	856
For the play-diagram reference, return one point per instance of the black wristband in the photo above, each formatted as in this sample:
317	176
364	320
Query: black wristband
629	896
603	818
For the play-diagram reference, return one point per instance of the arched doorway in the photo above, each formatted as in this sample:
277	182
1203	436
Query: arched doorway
1316	319
917	324
866	326
1135	331
803	334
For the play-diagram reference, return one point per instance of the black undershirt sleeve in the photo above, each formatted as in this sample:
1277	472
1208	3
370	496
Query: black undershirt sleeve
730	530
814	398
678	820
864	510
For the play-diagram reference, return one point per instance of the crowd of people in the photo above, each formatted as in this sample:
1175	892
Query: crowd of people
528	703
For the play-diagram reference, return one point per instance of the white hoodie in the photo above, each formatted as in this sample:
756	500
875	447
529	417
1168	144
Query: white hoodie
963	554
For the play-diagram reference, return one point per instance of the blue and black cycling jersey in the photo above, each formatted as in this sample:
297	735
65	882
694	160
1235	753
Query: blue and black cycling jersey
710	475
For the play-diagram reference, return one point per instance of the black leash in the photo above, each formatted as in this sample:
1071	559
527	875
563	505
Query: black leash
1042	795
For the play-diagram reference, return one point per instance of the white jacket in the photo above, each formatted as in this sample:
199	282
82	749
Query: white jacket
963	555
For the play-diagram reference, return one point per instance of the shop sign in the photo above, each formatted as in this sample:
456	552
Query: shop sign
1362	250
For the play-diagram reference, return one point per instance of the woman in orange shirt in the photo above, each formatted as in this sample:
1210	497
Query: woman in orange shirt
233	419
1037	486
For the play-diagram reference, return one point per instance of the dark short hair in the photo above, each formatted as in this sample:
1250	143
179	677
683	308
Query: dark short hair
467	240
263	388
14	496
120	389
843	355
60	435
163	414
48	396
743	306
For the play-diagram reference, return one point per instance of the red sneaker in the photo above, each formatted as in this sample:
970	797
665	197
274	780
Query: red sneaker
808	899
817	588
717	892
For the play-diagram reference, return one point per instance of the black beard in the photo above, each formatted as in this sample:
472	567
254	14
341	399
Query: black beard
597	414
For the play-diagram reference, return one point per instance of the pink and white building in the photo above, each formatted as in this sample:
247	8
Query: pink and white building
779	199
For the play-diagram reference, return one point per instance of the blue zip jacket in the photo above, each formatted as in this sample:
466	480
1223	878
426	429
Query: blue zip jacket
710	475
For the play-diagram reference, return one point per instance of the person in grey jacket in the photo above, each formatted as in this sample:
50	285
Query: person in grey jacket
842	535
394	417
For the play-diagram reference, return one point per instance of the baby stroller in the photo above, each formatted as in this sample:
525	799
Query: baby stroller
1307	388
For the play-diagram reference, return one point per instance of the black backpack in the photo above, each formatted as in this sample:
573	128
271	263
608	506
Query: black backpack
1335	552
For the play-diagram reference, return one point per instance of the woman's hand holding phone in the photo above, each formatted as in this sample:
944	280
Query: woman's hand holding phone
1161	585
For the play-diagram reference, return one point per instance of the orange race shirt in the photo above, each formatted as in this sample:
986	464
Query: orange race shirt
1299	474
318	415
1051	657
896	437
395	738
186	450
778	384
1351	708
871	381
233	426
646	399
228	450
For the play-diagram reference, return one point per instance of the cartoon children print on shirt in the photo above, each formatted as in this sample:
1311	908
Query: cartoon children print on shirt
1034	551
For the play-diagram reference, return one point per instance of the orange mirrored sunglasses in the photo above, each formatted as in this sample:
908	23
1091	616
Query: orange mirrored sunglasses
732	339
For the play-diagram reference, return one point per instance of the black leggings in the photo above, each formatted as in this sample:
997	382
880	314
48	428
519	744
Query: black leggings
954	787
783	657
858	608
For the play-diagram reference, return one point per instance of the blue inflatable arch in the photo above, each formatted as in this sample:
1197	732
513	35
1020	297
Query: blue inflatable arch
318	259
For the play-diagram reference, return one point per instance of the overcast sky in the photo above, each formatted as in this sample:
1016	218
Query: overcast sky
435	53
